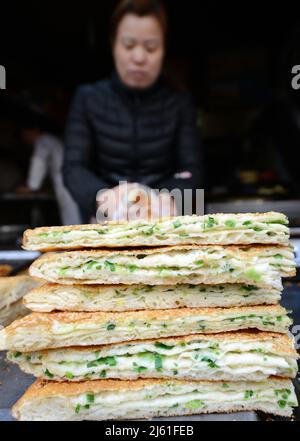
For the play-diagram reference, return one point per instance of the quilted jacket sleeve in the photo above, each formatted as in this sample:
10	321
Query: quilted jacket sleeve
78	173
188	153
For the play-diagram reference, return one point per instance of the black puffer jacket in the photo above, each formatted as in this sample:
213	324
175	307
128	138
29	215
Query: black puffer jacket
115	134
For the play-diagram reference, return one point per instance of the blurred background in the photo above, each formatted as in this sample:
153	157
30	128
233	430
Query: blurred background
236	62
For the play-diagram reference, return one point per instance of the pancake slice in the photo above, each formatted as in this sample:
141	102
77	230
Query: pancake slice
262	265
12	290
57	330
118	298
125	400
233	356
217	229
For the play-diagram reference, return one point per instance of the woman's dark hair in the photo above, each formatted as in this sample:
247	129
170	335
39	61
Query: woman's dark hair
141	8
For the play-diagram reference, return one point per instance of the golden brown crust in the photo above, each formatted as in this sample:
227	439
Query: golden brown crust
47	319
239	250
164	219
42	389
5	270
52	287
282	343
29	233
111	248
235	215
170	280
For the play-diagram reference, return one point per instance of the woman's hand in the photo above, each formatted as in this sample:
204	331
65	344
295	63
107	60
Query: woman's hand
167	206
112	203
133	201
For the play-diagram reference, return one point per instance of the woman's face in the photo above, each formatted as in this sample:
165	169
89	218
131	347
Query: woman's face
139	50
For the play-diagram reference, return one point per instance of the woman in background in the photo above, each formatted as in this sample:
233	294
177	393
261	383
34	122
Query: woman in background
132	126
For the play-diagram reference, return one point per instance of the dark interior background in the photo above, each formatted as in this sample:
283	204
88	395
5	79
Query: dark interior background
235	59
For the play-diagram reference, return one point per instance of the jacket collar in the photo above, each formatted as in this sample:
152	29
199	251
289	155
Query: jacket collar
131	93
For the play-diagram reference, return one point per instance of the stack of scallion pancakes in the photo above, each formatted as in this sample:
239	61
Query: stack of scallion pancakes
155	319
